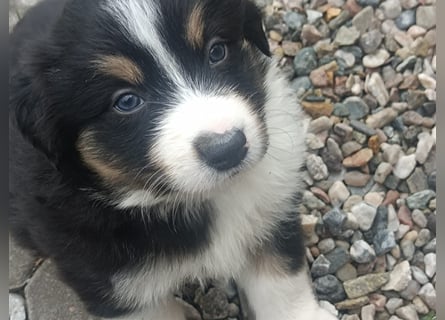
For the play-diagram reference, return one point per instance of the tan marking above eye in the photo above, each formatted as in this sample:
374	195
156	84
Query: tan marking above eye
120	67
194	29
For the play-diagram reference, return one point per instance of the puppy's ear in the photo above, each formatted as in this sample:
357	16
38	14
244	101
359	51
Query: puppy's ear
253	28
26	112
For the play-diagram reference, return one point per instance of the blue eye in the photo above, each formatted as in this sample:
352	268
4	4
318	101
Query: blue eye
128	102
217	52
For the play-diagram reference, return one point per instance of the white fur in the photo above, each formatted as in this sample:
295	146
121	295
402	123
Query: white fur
272	296
140	20
246	208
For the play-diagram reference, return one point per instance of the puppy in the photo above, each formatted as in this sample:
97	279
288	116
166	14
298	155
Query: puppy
153	142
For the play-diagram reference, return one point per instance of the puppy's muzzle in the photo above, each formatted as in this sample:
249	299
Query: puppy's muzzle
222	151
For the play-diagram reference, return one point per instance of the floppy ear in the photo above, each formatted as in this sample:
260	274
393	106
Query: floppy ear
253	28
26	112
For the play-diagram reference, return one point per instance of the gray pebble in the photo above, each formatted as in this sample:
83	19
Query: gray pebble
391	8
370	41
406	19
384	241
320	267
419	275
294	20
305	61
419	200
362	252
426	16
338	258
329	288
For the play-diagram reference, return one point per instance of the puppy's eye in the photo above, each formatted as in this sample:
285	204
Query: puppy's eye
128	102
217	52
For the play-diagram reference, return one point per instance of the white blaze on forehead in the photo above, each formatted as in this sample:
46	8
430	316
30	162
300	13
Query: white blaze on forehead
195	115
140	20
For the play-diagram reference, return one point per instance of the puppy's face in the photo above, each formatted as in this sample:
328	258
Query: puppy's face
161	97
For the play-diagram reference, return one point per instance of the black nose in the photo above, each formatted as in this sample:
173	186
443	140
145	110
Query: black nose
222	151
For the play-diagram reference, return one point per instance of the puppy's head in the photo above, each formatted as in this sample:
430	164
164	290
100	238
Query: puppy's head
152	97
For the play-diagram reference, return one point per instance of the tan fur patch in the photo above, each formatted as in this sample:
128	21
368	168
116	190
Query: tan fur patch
90	154
195	27
120	67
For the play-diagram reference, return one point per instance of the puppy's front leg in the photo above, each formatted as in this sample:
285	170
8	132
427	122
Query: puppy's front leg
277	282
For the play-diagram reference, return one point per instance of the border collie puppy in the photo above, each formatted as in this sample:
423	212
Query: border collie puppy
153	142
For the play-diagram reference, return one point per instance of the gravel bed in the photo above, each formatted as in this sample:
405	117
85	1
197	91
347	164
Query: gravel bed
365	72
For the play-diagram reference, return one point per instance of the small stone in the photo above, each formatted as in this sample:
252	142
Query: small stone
16	307
358	159
310	34
361	252
301	83
391	197
338	258
343	131
376	59
419	218
365	215
428	294
363	128
382	172
409	4
384	241
364	3
275	35
314	142
329	288
334	220
313	16
426	16
391	8
332	12
427	81
430	264
308	224
412	118
381	118
214	304
405	166
424	146
305	61
347	57
290	48
417	181
375	199
408	249
423	238
332	156
311	201
406	19
347	272
346	36
368	312
393	304
318	109
407	312
316	167
404	216
419	275
294	20
420	306
399	277
350	147
338	193
420	200
370	41
362	20
339	20
365	284
320	267
326	245
378	300
352	304
375	86
391	153
329	307
357	107
356	178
